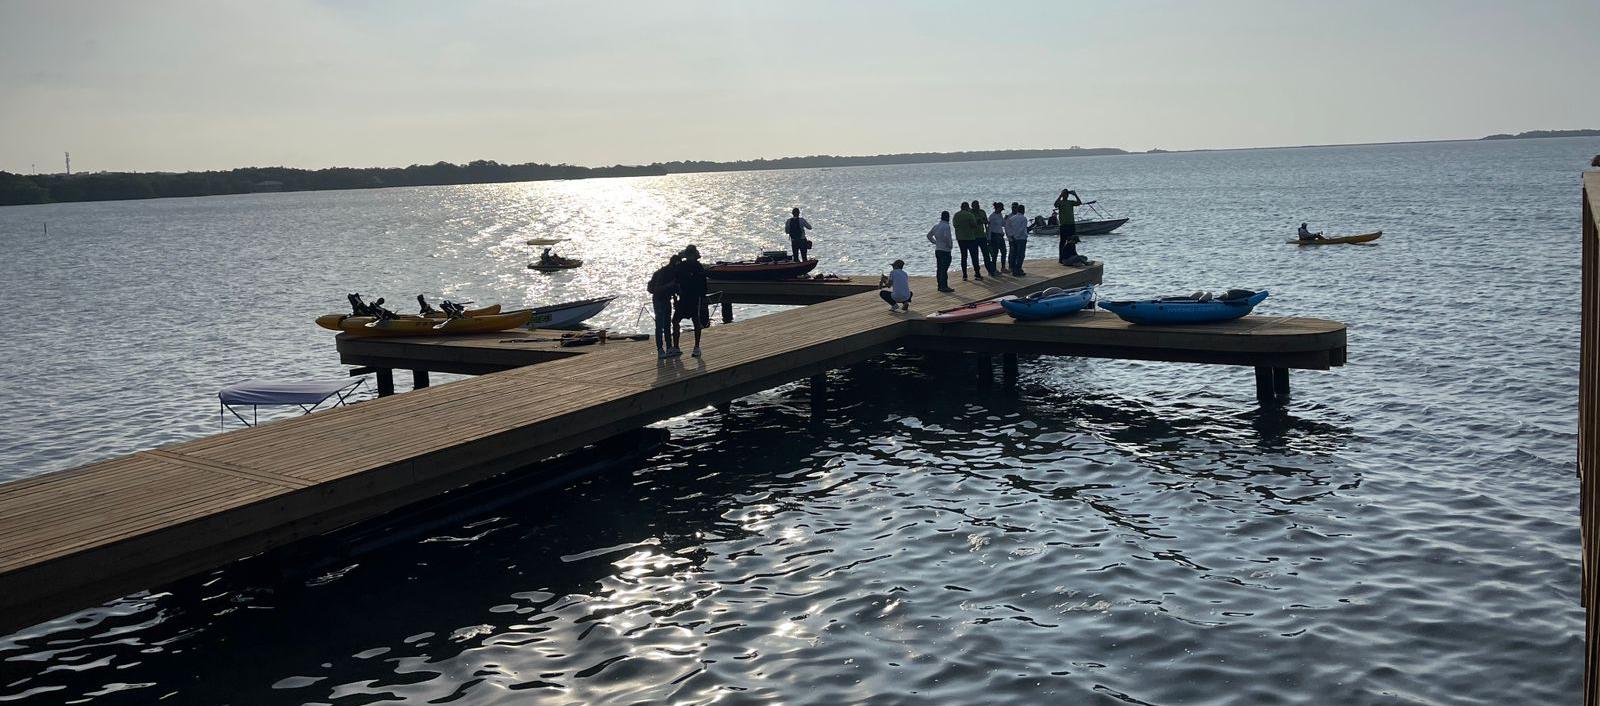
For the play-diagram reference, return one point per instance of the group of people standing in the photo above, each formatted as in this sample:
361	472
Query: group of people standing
997	242
678	292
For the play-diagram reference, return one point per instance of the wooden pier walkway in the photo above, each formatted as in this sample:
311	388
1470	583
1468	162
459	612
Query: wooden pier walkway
77	538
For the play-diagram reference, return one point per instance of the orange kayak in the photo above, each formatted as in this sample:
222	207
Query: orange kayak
1339	239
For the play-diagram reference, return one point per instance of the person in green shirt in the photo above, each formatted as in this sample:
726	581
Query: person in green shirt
1067	250
968	233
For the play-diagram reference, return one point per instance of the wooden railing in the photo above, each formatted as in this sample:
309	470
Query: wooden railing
1589	434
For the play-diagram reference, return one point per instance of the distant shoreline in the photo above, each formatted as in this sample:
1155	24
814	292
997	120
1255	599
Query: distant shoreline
20	189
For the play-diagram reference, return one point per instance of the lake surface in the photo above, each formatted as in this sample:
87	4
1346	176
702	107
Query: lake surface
1108	533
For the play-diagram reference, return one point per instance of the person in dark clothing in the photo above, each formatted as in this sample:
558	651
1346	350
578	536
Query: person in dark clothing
969	230
691	298
997	238
663	287
796	227
942	237
1068	247
984	246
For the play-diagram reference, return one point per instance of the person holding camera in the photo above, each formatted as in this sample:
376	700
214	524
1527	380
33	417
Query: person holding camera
796	227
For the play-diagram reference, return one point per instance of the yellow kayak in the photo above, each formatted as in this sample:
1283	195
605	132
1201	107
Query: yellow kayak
1338	239
332	321
357	325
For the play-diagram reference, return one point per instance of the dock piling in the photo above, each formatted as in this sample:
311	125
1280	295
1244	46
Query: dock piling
419	379
1272	386
385	381
727	312
1008	369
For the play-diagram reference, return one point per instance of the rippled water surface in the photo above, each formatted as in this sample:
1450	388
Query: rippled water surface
1107	533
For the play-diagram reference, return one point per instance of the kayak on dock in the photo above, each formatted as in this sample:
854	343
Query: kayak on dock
765	267
371	326
332	321
1339	239
970	312
1201	308
1050	303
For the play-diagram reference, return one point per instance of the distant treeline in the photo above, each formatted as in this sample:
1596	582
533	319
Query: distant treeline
1544	133
16	189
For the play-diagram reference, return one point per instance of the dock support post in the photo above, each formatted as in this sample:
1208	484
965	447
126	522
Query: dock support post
419	379
727	312
1008	369
819	392
1272	386
985	368
385	381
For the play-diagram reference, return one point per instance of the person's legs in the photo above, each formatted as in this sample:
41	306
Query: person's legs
1069	236
941	259
970	249
1019	250
886	298
907	303
987	245
997	243
702	319
663	316
961	245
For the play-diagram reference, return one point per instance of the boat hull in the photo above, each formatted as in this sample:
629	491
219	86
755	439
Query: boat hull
759	271
567	314
357	325
568	265
970	312
1340	240
1083	228
1049	307
1182	311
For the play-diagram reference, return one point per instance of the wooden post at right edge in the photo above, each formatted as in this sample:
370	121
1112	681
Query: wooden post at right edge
727	312
385	381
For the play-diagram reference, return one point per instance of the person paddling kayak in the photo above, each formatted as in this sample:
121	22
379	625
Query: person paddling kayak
1306	234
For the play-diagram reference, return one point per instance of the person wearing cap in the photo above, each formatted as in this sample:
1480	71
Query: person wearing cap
899	292
691	298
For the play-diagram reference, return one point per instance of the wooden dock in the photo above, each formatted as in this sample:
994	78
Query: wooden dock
1589	434
77	538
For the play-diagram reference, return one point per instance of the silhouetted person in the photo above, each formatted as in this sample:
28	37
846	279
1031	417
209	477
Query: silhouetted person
1305	233
796	227
1068	248
663	287
941	236
691	298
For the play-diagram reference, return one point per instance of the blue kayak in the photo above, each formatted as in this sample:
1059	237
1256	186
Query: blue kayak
1049	304
1186	310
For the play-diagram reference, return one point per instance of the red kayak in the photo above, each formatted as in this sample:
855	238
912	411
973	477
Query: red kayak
968	312
761	269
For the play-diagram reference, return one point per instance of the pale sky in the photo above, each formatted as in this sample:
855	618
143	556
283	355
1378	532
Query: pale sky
154	85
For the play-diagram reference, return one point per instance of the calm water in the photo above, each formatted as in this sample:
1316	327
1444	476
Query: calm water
1109	533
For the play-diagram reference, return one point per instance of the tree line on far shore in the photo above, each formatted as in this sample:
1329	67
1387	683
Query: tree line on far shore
18	189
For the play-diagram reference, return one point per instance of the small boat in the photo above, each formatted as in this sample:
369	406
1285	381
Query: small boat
1084	227
545	241
368	326
761	268
559	263
332	321
1192	309
969	312
1339	239
568	313
1050	303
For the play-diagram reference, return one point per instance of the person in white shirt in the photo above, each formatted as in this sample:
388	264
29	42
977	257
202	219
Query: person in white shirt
943	239
997	237
899	292
1017	232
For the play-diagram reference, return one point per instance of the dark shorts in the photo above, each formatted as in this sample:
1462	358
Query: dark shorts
693	309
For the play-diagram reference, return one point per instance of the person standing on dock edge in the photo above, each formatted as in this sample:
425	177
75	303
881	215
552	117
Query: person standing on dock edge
968	232
997	238
691	298
1067	249
983	240
796	227
1017	232
899	292
663	285
940	236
